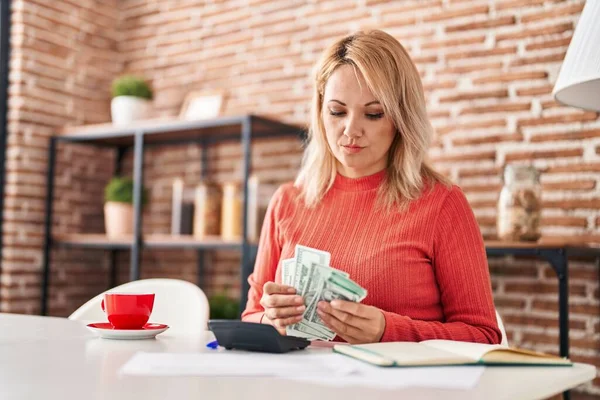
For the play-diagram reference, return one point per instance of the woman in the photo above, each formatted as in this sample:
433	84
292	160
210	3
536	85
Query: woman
366	195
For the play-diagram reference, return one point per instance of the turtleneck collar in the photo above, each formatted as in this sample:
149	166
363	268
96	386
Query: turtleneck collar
359	184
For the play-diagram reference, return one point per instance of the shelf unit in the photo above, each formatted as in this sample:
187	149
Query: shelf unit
137	137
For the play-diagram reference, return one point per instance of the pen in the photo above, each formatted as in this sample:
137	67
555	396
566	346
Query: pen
212	345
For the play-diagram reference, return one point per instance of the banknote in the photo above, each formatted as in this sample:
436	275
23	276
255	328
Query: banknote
312	276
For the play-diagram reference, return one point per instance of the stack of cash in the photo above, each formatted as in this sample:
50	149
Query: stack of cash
312	277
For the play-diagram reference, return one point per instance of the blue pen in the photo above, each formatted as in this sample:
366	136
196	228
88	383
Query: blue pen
212	345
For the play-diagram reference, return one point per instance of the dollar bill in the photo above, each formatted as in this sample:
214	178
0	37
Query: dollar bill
287	270
313	278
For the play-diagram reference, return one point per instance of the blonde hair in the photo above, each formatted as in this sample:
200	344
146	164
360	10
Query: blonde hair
394	80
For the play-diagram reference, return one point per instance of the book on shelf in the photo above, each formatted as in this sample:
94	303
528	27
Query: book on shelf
447	353
182	211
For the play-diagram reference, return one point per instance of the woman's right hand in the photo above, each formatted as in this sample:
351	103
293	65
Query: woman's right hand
282	306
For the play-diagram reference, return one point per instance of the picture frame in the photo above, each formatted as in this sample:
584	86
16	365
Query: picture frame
203	104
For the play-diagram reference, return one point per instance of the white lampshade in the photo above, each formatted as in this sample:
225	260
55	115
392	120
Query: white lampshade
578	82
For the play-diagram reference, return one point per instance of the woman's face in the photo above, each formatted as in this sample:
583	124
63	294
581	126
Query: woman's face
358	132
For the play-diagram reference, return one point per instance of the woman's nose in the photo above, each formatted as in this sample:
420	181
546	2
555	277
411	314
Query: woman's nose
353	128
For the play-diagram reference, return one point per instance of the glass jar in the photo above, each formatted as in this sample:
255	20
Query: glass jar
519	205
231	211
207	210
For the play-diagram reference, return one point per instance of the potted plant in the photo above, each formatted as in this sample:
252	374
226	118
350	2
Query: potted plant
118	206
223	307
131	100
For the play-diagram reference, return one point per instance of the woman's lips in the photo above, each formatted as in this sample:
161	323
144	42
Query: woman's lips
352	149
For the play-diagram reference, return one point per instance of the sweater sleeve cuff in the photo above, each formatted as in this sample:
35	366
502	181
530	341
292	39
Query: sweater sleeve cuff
393	325
256	317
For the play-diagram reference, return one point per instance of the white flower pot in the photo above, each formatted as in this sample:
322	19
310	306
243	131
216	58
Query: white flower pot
118	219
126	109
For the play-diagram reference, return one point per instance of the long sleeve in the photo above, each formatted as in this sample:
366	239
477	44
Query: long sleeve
267	259
462	275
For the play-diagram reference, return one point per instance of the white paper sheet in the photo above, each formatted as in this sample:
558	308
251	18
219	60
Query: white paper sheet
326	369
363	374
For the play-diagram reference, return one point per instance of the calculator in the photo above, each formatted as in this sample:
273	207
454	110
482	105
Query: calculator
250	336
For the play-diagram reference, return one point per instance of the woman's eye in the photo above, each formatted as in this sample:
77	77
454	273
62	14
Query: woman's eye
375	116
336	113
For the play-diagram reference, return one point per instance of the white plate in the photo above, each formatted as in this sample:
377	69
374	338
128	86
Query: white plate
107	331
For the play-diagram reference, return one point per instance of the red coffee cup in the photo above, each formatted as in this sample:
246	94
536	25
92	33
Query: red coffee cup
128	310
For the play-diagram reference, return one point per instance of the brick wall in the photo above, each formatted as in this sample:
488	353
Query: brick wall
488	68
63	57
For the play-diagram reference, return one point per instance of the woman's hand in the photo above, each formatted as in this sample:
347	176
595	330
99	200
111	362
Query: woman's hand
354	322
282	306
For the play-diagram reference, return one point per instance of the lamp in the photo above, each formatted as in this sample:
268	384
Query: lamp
578	82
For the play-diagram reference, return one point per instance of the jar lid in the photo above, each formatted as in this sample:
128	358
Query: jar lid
520	173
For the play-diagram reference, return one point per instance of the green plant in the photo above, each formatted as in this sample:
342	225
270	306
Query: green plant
223	307
129	85
120	190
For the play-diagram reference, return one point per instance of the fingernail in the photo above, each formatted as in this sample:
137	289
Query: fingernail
291	290
299	318
301	308
320	313
298	300
334	303
321	306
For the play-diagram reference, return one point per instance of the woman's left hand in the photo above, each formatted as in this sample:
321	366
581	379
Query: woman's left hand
354	322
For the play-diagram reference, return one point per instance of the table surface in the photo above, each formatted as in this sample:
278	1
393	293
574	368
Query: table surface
55	358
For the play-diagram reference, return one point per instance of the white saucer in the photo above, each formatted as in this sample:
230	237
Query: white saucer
107	331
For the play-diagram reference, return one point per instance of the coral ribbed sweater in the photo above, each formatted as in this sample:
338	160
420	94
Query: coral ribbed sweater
425	268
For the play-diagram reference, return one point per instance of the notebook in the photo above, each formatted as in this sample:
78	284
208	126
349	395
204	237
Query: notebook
447	352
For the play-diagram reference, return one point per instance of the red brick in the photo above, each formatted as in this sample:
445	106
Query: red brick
481	188
477	140
454	13
575	222
486	155
503	5
497	108
555	12
529	271
474	172
542	288
439	85
511	77
546	322
585	185
459	55
544	30
576	117
461	69
467	126
573	168
551	104
533	154
402	7
573	204
548	44
509	303
489	23
530	338
545	59
462	41
473	95
535	91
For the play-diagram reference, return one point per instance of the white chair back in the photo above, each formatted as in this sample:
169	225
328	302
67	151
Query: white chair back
180	304
504	341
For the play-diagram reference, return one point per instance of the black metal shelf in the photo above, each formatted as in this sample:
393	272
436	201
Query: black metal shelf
155	241
159	133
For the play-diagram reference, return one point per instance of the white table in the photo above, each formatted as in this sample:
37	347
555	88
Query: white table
57	359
